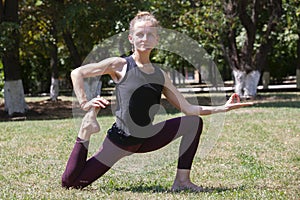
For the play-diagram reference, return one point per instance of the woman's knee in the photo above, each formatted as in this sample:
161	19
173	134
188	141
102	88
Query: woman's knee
194	121
66	182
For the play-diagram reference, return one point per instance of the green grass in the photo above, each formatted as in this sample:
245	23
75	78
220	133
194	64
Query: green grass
256	156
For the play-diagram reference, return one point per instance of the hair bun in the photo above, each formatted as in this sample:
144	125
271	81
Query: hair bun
143	16
143	13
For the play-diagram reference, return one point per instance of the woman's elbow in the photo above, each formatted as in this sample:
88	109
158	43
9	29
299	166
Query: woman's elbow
75	73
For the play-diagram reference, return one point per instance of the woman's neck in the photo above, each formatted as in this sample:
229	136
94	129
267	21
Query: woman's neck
143	62
141	58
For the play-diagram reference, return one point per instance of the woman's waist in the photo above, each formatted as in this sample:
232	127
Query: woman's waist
121	137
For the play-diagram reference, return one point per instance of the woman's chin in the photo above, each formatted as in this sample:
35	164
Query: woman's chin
144	50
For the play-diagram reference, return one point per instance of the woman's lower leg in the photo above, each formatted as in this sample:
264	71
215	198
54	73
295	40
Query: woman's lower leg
78	157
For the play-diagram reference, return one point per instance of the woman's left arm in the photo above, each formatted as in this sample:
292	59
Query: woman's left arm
177	99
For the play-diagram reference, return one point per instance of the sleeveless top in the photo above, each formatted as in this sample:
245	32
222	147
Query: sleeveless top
138	97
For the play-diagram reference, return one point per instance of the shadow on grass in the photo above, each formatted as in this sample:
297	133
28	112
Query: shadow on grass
279	104
48	110
162	189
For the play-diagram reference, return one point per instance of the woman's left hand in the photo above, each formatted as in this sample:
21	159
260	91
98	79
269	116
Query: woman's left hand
97	102
234	102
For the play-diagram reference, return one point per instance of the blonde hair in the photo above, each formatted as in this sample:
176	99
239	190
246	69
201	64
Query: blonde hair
143	16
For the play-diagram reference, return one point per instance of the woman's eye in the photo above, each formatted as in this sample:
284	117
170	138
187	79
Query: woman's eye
150	35
140	35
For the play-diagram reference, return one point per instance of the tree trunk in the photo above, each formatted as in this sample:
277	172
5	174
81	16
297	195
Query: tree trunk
266	79
54	88
247	62
251	83
13	88
72	49
14	97
1	11
239	81
246	83
298	78
298	59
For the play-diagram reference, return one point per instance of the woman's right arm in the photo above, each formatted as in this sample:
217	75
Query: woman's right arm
111	66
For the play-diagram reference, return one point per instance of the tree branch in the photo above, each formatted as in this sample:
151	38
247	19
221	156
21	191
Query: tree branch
266	41
251	27
231	52
72	48
193	4
245	18
257	8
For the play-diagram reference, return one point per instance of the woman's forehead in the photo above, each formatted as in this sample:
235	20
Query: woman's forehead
144	25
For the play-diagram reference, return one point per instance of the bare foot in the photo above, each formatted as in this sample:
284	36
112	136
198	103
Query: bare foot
89	124
183	182
177	187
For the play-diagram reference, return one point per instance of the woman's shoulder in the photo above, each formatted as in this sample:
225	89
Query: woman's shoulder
118	66
114	61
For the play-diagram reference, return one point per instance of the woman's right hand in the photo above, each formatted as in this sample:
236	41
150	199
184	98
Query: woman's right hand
234	102
97	102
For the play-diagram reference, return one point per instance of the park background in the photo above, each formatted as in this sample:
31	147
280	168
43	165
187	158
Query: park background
250	42
257	153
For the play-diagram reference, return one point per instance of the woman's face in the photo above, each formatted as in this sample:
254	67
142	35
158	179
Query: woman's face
144	36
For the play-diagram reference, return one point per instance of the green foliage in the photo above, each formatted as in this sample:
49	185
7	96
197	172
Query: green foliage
205	23
282	60
90	22
8	30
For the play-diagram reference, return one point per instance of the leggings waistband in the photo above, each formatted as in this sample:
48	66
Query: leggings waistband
118	136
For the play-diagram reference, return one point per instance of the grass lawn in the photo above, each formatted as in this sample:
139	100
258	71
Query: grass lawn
255	156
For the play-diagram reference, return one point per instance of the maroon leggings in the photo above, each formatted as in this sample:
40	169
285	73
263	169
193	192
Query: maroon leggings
81	172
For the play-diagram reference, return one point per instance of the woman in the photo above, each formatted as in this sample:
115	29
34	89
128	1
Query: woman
139	86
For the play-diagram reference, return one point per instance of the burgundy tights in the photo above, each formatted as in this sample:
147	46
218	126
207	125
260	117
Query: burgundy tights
81	172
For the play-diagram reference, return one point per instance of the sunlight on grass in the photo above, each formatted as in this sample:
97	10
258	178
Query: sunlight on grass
257	156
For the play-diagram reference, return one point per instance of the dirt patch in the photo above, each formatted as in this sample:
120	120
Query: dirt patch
63	109
41	110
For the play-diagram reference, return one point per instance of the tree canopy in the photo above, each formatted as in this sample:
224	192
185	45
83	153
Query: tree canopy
233	32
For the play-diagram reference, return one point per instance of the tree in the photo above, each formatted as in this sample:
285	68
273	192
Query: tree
203	21
294	19
282	61
13	88
241	31
245	51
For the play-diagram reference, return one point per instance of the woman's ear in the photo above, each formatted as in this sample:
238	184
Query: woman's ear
130	39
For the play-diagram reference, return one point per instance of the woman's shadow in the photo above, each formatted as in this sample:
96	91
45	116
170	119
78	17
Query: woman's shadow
163	189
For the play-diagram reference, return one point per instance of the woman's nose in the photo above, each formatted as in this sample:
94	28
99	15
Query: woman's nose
144	38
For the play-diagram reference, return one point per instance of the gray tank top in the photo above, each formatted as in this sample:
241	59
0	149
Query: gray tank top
138	97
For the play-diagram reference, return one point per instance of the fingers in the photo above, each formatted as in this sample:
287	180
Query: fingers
235	98
99	102
234	102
